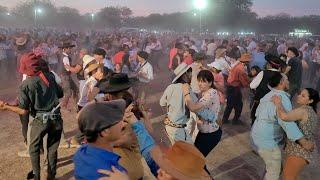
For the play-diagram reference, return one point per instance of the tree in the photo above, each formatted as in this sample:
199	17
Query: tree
26	11
110	16
68	17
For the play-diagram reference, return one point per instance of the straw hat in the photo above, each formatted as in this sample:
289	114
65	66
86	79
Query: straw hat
183	161
180	70
245	57
20	41
220	51
92	67
87	59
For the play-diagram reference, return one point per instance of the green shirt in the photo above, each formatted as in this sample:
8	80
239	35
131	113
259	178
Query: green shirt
36	97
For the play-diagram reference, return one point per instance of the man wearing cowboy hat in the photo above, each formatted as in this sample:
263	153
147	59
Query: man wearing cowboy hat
237	79
68	85
173	100
261	81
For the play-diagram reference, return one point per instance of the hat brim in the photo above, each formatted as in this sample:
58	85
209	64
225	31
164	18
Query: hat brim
180	74
71	46
166	165
21	43
107	88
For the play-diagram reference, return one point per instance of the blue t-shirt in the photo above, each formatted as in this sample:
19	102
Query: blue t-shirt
88	159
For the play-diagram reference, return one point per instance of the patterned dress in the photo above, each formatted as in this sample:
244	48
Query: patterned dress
308	128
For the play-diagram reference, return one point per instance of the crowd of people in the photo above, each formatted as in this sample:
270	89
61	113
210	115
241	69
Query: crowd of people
104	77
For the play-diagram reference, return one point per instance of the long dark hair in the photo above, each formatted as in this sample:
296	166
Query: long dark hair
206	75
126	61
314	96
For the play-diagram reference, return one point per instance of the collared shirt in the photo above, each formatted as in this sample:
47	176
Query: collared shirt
37	97
88	159
225	65
267	130
173	99
196	68
84	92
210	111
146	143
238	76
108	64
258	60
148	70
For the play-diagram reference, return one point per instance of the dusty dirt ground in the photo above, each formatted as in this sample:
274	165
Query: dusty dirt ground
231	159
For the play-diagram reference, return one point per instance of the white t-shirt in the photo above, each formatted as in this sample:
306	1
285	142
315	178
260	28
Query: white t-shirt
211	49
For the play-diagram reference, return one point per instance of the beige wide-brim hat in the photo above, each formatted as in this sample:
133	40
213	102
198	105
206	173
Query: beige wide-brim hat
220	51
20	41
180	70
87	59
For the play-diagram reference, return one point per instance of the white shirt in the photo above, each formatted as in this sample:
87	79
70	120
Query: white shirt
257	80
252	46
224	64
211	49
84	92
52	56
148	70
66	60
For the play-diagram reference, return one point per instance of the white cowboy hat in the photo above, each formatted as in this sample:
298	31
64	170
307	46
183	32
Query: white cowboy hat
215	65
180	70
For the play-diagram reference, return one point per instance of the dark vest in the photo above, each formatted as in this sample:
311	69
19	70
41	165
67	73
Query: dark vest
263	88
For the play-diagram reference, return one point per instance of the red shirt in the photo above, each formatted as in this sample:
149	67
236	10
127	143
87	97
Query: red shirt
117	58
238	76
172	53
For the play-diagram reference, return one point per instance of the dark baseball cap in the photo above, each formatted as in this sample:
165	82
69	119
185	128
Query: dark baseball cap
97	116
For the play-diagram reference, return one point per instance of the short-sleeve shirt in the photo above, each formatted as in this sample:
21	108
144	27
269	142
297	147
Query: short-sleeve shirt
35	96
210	111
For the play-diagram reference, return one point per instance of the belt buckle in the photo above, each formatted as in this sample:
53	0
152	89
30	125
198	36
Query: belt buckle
45	118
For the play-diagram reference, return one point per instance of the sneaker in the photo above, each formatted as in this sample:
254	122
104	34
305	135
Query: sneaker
24	154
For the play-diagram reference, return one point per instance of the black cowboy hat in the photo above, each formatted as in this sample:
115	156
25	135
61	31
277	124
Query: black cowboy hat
67	45
274	61
117	82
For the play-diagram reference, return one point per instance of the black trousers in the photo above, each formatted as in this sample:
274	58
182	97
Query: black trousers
253	111
205	142
234	101
24	122
37	131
